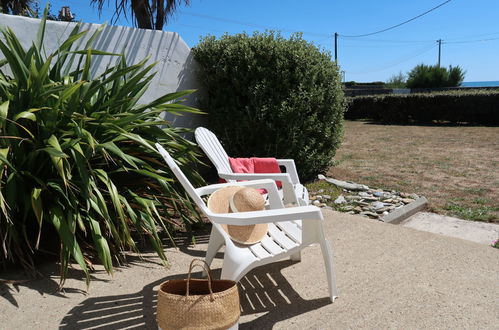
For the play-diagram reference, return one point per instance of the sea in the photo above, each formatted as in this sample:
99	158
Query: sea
480	84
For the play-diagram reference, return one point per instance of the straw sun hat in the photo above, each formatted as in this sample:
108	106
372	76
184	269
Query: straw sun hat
239	199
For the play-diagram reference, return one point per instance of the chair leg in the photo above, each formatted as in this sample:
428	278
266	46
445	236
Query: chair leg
234	266
296	256
328	262
215	243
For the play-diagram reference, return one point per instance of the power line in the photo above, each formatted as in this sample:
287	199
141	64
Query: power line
392	41
469	41
398	61
379	46
474	36
258	26
201	28
397	25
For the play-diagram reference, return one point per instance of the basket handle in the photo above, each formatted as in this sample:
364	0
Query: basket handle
203	265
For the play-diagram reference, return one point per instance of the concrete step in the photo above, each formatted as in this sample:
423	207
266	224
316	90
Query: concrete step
475	231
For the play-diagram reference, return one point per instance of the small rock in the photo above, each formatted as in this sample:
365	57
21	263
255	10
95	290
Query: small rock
389	200
404	195
370	214
357	209
360	203
364	194
385	213
340	200
366	208
321	191
415	196
319	197
344	184
378	193
326	197
377	205
312	198
369	199
347	208
316	203
384	209
352	197
322	205
407	200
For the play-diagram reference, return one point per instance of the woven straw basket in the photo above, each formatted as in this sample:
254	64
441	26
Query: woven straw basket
198	303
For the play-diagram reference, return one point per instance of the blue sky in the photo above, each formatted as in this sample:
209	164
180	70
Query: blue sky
463	25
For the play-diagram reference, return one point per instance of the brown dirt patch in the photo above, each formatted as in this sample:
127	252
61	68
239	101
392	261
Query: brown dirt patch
456	168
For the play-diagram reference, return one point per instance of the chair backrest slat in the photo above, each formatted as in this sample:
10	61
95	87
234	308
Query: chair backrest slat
213	149
182	178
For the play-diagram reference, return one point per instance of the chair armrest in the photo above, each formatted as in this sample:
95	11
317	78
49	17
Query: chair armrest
267	184
268	216
290	166
285	177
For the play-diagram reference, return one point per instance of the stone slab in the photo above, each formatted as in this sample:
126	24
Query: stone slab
402	213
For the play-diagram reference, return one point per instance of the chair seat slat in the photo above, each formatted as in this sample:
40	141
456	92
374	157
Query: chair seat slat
271	246
281	238
259	251
292	231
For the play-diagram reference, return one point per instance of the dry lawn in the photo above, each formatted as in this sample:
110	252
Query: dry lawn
455	167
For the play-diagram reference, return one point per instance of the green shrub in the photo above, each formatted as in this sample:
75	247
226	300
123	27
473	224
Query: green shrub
479	107
78	159
270	96
432	76
396	81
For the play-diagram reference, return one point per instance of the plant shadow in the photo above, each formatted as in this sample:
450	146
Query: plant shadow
45	281
45	284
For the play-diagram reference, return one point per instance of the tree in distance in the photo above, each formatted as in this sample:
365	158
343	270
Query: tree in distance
397	81
433	76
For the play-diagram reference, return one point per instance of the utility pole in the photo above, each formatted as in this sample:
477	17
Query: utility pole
439	51
336	47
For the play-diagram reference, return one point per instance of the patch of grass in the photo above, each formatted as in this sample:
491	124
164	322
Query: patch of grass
481	201
480	212
325	187
343	158
442	163
476	191
403	183
322	187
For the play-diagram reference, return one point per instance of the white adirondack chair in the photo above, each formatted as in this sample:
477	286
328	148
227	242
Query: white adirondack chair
290	229
292	190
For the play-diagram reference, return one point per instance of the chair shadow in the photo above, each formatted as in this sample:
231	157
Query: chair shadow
266	290
262	290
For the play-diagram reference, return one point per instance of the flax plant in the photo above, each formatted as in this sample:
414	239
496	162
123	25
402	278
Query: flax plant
77	156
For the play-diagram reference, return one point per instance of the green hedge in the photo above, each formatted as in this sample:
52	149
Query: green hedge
270	96
477	107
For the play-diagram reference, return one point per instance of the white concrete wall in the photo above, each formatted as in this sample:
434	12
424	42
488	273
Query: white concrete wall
175	65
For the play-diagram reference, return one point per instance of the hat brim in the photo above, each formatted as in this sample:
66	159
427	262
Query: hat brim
219	202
